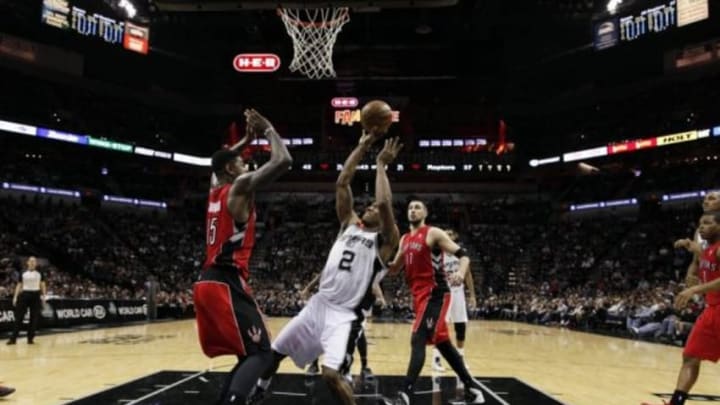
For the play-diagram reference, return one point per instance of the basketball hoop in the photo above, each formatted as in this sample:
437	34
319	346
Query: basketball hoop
314	32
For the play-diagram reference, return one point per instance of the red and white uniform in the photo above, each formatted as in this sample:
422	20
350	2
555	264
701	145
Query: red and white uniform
704	340
229	320
427	280
229	243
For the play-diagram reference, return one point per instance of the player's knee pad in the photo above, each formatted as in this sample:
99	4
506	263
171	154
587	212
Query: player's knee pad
460	330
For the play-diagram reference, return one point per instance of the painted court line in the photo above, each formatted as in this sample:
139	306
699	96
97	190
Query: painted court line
167	387
492	393
542	392
110	388
290	394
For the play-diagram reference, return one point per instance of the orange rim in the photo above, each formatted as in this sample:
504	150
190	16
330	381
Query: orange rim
323	24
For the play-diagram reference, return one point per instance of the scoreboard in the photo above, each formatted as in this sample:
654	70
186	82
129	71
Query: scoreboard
69	15
647	18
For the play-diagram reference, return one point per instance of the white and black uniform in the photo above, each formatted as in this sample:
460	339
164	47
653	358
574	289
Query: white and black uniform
29	299
324	325
458	306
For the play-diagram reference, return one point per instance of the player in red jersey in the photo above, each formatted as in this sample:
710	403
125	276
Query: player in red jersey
420	253
711	203
704	340
228	318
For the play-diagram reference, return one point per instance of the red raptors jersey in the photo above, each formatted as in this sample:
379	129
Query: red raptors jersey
229	243
708	271
423	267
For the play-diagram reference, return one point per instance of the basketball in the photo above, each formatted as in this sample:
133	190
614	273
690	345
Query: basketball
376	114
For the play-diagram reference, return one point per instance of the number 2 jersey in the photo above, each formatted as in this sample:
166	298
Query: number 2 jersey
352	267
229	243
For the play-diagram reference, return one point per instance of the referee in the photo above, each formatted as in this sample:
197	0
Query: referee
28	296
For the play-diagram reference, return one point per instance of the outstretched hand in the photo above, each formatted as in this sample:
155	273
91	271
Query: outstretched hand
256	123
390	151
455	279
368	138
684	297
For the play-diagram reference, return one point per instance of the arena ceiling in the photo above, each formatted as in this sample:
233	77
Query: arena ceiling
515	53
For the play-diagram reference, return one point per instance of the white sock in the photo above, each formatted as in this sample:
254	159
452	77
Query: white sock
461	350
436	355
264	384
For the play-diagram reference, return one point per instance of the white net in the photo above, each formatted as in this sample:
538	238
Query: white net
314	32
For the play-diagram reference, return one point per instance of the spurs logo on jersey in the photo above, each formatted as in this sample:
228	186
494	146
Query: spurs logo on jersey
452	264
351	268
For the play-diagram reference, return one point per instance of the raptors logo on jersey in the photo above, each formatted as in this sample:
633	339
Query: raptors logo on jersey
351	268
229	243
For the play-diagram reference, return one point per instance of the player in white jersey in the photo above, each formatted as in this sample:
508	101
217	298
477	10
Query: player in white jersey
458	306
711	203
329	322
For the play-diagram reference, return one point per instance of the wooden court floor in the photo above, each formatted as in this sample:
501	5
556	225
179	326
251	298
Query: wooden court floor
573	367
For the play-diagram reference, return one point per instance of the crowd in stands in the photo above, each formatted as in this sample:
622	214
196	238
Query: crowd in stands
616	273
103	253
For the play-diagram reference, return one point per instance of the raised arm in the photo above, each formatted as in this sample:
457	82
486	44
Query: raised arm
399	262
237	147
383	198
279	163
438	237
343	192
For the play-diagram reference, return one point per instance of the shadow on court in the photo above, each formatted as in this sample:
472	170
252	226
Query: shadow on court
188	387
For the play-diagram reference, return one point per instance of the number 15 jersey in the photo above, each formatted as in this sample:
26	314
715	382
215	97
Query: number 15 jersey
351	269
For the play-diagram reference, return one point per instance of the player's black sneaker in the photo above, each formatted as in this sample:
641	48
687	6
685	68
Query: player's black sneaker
367	375
474	393
257	396
5	391
313	369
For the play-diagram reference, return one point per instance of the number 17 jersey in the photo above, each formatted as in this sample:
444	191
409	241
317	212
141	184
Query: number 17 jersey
352	266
